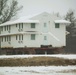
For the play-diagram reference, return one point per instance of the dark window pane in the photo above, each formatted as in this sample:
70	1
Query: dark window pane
16	37
57	25
22	25
32	36
44	24
45	38
22	37
32	25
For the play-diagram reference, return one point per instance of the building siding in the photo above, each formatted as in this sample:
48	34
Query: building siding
54	36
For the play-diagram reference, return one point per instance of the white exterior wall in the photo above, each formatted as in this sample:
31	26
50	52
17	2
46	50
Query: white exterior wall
55	36
59	38
32	43
27	27
26	37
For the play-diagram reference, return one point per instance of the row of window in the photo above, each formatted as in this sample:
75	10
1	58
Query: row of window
5	28
6	38
19	37
56	25
33	37
20	25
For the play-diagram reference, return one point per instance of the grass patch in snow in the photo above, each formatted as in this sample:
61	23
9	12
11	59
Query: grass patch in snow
37	61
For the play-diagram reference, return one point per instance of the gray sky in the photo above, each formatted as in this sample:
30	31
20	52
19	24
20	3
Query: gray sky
37	6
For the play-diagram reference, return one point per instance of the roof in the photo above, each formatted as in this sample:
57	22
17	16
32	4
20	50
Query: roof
28	19
19	21
25	19
62	21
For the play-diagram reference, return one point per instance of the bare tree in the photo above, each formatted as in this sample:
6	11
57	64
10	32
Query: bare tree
70	16
8	9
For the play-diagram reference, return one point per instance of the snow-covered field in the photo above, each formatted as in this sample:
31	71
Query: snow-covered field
66	56
41	70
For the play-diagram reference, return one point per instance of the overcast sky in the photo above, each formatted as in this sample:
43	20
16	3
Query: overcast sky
37	6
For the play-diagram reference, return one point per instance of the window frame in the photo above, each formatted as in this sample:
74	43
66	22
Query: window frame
33	36
16	25
57	25
45	24
1	39
33	25
45	37
16	37
22	25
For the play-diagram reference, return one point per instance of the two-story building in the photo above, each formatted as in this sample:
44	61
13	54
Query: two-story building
34	31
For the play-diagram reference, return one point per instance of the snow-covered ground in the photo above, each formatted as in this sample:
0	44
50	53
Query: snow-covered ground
66	56
41	70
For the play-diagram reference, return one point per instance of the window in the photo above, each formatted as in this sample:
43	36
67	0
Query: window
5	28
19	37
9	38
45	38
57	25
2	39
22	25
5	38
49	22
1	28
16	25
9	27
32	36
22	37
32	25
19	25
44	24
16	37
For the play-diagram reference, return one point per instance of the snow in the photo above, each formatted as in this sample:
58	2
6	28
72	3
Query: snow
25	19
62	21
28	19
19	21
65	56
39	70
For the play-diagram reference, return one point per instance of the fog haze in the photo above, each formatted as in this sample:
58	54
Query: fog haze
37	6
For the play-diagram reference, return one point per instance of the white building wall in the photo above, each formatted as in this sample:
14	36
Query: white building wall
5	43
14	29
32	43
27	27
55	36
59	36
